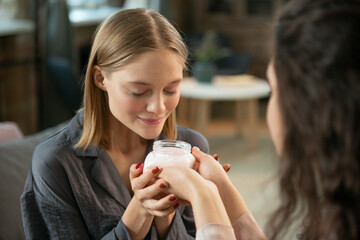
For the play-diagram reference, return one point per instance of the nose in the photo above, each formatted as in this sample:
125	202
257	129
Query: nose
156	105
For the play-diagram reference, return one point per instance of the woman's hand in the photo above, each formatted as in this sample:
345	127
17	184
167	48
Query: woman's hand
149	191
226	167
184	182
146	202
203	195
210	168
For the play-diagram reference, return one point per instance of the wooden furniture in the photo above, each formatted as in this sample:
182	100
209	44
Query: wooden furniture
23	87
248	23
18	86
196	99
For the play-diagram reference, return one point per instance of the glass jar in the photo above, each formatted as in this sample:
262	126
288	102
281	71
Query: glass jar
169	153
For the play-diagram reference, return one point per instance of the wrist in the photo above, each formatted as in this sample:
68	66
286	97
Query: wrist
204	192
225	187
137	219
198	188
222	180
208	198
162	224
165	219
233	201
136	205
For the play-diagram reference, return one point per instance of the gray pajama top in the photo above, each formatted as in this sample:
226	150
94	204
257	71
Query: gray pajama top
76	194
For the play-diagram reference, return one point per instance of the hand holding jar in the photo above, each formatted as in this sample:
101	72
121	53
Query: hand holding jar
147	189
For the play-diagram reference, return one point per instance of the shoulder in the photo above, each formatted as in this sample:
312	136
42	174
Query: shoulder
49	169
48	153
193	137
45	161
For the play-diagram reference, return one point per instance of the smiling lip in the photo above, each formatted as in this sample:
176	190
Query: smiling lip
151	121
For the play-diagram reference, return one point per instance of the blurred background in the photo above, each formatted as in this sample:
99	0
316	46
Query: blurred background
44	47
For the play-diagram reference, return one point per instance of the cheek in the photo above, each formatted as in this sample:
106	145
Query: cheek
119	102
269	113
274	122
132	105
172	102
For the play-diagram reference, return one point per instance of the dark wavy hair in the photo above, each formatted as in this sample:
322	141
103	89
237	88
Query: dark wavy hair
316	56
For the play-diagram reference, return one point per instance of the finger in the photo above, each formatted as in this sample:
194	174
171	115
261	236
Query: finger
151	191
216	157
161	205
184	202
227	167
197	164
199	155
141	181
165	212
136	170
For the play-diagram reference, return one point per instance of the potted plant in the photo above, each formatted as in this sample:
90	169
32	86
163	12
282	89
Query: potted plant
205	55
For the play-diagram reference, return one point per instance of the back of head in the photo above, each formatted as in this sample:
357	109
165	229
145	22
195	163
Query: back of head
317	64
119	40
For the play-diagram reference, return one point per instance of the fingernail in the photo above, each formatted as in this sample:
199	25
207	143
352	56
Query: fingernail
155	170
229	168
163	185
196	148
176	206
172	198
138	165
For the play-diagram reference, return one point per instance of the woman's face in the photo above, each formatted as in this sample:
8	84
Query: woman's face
273	115
143	93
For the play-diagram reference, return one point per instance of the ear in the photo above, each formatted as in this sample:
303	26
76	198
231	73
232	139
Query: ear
99	77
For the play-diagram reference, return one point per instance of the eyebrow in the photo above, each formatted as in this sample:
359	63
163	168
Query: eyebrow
148	84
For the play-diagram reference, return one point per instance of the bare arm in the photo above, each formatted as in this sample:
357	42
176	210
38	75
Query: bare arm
212	170
244	224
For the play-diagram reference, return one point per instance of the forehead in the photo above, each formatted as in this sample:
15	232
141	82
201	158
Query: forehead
155	57
162	64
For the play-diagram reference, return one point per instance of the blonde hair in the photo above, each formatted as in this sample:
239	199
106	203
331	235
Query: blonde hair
118	40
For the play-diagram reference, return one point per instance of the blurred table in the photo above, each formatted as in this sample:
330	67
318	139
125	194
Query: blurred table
16	26
244	90
80	17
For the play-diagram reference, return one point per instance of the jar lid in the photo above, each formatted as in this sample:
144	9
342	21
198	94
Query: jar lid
172	143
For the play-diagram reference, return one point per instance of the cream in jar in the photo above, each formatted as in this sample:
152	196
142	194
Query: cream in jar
168	153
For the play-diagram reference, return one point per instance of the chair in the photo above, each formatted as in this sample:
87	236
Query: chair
60	88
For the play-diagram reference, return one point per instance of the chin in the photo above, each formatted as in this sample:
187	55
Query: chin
150	134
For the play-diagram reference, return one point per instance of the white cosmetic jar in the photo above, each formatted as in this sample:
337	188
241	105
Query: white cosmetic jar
168	153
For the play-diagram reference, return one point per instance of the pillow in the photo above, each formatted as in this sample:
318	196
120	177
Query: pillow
15	157
9	131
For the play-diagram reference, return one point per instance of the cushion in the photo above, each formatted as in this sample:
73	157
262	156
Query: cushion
15	157
9	131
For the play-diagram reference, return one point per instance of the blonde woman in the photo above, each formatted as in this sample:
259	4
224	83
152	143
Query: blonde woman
79	185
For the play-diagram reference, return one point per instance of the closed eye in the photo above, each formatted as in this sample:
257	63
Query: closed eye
137	94
169	92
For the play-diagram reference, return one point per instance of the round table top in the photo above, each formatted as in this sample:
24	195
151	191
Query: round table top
222	89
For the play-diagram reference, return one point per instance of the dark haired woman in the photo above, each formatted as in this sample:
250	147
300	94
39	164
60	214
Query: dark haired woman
313	117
